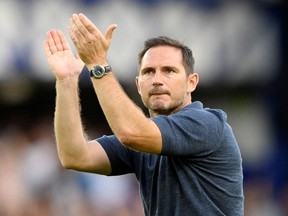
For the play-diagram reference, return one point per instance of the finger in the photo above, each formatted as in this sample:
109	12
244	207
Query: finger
63	41
56	38
73	36
89	25
46	48
79	29
109	32
50	42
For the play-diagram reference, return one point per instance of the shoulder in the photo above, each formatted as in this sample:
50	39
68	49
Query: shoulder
194	114
196	109
198	129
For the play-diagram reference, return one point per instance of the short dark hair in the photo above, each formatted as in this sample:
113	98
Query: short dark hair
188	59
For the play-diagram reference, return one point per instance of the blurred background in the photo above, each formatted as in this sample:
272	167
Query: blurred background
240	49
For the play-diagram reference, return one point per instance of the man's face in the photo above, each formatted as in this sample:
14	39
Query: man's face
162	82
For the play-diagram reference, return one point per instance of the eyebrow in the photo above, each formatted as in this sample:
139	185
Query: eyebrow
163	67
146	69
170	67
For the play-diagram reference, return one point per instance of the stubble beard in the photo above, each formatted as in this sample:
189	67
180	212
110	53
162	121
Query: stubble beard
161	109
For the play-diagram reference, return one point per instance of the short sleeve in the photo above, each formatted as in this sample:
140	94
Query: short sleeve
193	131
120	157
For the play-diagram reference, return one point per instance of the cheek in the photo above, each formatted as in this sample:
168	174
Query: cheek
179	89
142	90
143	95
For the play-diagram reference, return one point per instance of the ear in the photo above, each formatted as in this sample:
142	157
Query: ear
193	80
137	84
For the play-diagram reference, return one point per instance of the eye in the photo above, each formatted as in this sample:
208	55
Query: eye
169	71
147	72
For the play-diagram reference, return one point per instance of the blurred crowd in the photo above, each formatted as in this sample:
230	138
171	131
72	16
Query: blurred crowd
33	183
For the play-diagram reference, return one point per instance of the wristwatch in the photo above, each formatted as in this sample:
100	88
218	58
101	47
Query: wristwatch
99	71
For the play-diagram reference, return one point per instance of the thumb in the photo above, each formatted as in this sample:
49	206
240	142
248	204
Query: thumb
109	32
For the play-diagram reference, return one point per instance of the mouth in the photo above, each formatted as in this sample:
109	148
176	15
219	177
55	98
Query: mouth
158	93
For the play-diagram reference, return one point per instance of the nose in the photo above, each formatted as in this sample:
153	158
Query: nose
157	78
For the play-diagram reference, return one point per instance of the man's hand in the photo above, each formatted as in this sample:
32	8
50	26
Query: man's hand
90	43
60	57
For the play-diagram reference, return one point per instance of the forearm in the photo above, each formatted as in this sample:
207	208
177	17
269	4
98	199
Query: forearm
68	126
127	121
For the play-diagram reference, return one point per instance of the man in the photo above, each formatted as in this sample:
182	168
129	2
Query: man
184	156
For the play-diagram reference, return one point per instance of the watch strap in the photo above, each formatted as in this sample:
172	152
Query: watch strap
103	71
108	68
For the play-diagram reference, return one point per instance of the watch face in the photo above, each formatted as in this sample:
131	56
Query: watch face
98	71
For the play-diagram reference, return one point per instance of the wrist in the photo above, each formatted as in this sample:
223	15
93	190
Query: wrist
68	80
98	71
90	66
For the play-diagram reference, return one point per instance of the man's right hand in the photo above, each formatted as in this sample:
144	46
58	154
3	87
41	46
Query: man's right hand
60	57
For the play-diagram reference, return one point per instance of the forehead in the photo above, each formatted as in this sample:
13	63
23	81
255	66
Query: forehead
164	55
